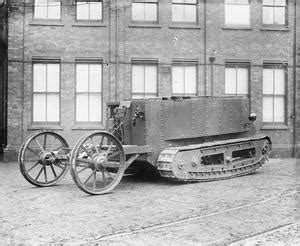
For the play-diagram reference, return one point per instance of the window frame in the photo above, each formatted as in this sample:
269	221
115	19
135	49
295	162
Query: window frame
185	64
47	19
284	67
79	61
237	65
89	20
144	63
196	22
237	25
46	62
286	14
145	2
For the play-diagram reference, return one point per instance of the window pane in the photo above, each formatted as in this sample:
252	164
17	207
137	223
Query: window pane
150	12
190	80
177	80
39	107
267	109
95	108
54	9
53	108
53	75
279	82
242	81
151	79
190	13
40	9
242	1
268	15
191	1
280	2
82	107
237	15
230	81
39	77
138	78
82	77
95	78
279	109
82	11
138	11
279	16
177	13
137	96
96	10
268	81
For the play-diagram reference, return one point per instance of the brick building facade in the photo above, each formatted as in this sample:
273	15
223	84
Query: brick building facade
151	48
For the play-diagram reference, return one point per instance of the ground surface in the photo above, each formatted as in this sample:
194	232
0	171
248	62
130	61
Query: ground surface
262	208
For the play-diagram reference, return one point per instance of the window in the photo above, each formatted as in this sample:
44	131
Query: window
184	11
46	91
237	12
144	10
47	9
88	92
144	81
273	94
274	12
184	80
89	9
236	79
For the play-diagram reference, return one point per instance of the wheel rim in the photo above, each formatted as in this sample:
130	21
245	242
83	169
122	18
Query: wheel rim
43	158
97	163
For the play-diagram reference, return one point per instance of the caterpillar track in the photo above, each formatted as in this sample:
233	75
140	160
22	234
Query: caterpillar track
214	160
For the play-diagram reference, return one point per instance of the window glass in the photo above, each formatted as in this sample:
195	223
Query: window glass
138	79
144	10
184	79
177	80
53	107
88	92
53	74
184	11
230	80
236	80
89	10
190	79
237	14
267	109
279	16
274	12
151	79
268	81
39	107
39	77
279	109
47	9
150	12
242	81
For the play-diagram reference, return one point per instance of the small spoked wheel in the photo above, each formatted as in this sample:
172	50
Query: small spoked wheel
97	163
43	158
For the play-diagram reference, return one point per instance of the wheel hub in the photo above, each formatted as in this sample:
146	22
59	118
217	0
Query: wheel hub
100	161
46	157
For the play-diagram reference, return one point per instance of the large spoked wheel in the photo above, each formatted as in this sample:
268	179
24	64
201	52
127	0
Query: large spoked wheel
97	163
43	158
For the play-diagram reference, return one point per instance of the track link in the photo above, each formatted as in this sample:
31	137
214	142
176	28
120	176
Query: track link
214	160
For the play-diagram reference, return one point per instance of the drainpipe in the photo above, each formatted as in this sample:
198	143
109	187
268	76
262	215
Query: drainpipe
117	51
205	50
294	116
212	60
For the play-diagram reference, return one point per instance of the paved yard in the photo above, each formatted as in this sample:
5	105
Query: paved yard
260	208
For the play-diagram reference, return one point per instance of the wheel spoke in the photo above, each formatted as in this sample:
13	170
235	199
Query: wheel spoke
40	146
86	151
108	173
45	173
39	173
94	183
52	168
112	164
87	161
104	179
81	170
89	177
94	146
101	142
33	167
33	151
56	164
114	154
45	140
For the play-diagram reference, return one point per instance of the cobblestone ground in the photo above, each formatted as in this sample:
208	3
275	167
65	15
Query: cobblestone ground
262	208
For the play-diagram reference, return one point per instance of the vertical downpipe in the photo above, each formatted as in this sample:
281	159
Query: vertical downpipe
205	50
295	84
23	75
117	51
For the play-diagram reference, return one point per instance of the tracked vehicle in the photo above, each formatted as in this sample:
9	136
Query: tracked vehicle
185	139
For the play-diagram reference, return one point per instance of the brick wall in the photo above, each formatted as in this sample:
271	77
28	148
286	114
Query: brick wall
163	42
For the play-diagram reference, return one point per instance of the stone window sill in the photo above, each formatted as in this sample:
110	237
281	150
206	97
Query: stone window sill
88	127
145	25
275	127
275	28
183	26
45	127
45	23
246	28
88	24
